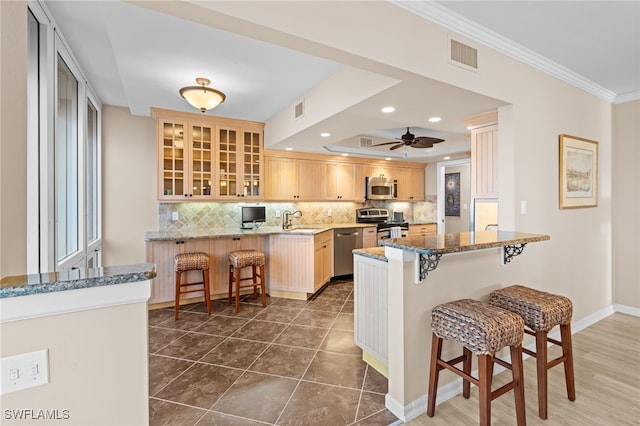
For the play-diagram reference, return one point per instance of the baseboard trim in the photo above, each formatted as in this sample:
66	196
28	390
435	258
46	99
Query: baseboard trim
629	310
407	412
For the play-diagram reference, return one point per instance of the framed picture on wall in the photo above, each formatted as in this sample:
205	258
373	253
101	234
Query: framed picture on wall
578	172
452	194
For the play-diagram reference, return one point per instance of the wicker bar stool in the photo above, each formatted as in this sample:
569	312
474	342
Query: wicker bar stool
482	329
240	259
192	262
541	312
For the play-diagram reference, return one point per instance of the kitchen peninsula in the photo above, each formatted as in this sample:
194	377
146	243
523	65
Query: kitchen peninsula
395	291
299	260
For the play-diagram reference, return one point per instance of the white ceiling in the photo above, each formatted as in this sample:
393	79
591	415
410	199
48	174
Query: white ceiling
139	58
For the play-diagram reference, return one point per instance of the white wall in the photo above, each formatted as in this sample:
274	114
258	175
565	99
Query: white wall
13	137
626	204
130	206
98	368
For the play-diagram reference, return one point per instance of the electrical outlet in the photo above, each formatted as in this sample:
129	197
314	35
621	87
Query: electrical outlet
329	213
24	371
278	213
174	216
523	207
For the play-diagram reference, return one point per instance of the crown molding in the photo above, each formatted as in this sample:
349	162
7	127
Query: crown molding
627	97
450	20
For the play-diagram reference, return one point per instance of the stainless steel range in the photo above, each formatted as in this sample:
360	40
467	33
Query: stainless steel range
381	218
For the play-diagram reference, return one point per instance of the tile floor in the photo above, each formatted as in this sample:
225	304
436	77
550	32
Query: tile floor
290	363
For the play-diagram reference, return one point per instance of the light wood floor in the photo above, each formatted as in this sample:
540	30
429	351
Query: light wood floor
607	374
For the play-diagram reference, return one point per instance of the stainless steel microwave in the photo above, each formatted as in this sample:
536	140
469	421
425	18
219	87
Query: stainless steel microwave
381	188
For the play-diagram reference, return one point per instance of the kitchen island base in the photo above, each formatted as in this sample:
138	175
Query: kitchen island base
466	270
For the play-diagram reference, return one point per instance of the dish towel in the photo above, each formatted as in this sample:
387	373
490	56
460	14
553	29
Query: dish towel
396	232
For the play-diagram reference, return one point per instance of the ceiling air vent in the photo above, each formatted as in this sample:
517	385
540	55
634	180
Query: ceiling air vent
366	142
461	54
298	109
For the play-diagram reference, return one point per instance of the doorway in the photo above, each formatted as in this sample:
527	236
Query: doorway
454	196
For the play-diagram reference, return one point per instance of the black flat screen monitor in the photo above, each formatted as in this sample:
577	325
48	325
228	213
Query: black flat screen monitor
252	215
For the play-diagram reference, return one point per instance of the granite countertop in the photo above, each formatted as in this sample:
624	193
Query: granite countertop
24	285
462	241
376	253
237	232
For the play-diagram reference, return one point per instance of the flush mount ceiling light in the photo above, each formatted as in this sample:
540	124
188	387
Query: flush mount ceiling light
388	109
202	97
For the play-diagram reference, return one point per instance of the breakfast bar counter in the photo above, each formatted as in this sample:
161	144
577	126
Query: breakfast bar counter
394	294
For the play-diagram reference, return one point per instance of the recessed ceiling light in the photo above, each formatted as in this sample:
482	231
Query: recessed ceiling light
469	127
388	109
446	158
434	119
345	154
288	149
325	134
387	158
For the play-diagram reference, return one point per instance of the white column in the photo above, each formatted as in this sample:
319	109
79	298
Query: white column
409	331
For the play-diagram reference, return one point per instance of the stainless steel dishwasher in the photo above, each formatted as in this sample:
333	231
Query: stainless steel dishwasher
344	241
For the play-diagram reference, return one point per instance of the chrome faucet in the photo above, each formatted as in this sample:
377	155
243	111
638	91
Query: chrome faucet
286	218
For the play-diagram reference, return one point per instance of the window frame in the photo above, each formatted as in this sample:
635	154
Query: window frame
41	137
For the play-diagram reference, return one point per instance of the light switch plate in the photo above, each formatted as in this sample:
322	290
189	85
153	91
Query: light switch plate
523	206
175	216
24	371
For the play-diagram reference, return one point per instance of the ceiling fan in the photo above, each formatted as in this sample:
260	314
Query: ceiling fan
409	139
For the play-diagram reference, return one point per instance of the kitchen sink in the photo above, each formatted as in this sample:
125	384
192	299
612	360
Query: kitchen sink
305	230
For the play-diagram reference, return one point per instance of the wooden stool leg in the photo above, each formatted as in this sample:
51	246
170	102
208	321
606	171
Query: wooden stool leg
238	273
254	275
263	286
567	353
434	373
485	375
177	307
541	367
207	290
466	367
230	282
517	372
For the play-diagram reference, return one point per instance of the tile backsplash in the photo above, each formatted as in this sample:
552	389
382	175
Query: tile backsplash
212	216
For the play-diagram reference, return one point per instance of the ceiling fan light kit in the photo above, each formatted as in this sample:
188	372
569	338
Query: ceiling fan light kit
202	97
409	139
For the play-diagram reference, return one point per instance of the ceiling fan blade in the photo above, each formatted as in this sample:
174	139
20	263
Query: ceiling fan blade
422	144
385	143
428	139
400	145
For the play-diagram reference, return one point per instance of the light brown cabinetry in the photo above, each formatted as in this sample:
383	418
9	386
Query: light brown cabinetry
340	181
369	237
484	162
207	158
322	259
422	229
239	163
312	177
185	156
410	184
299	264
293	179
